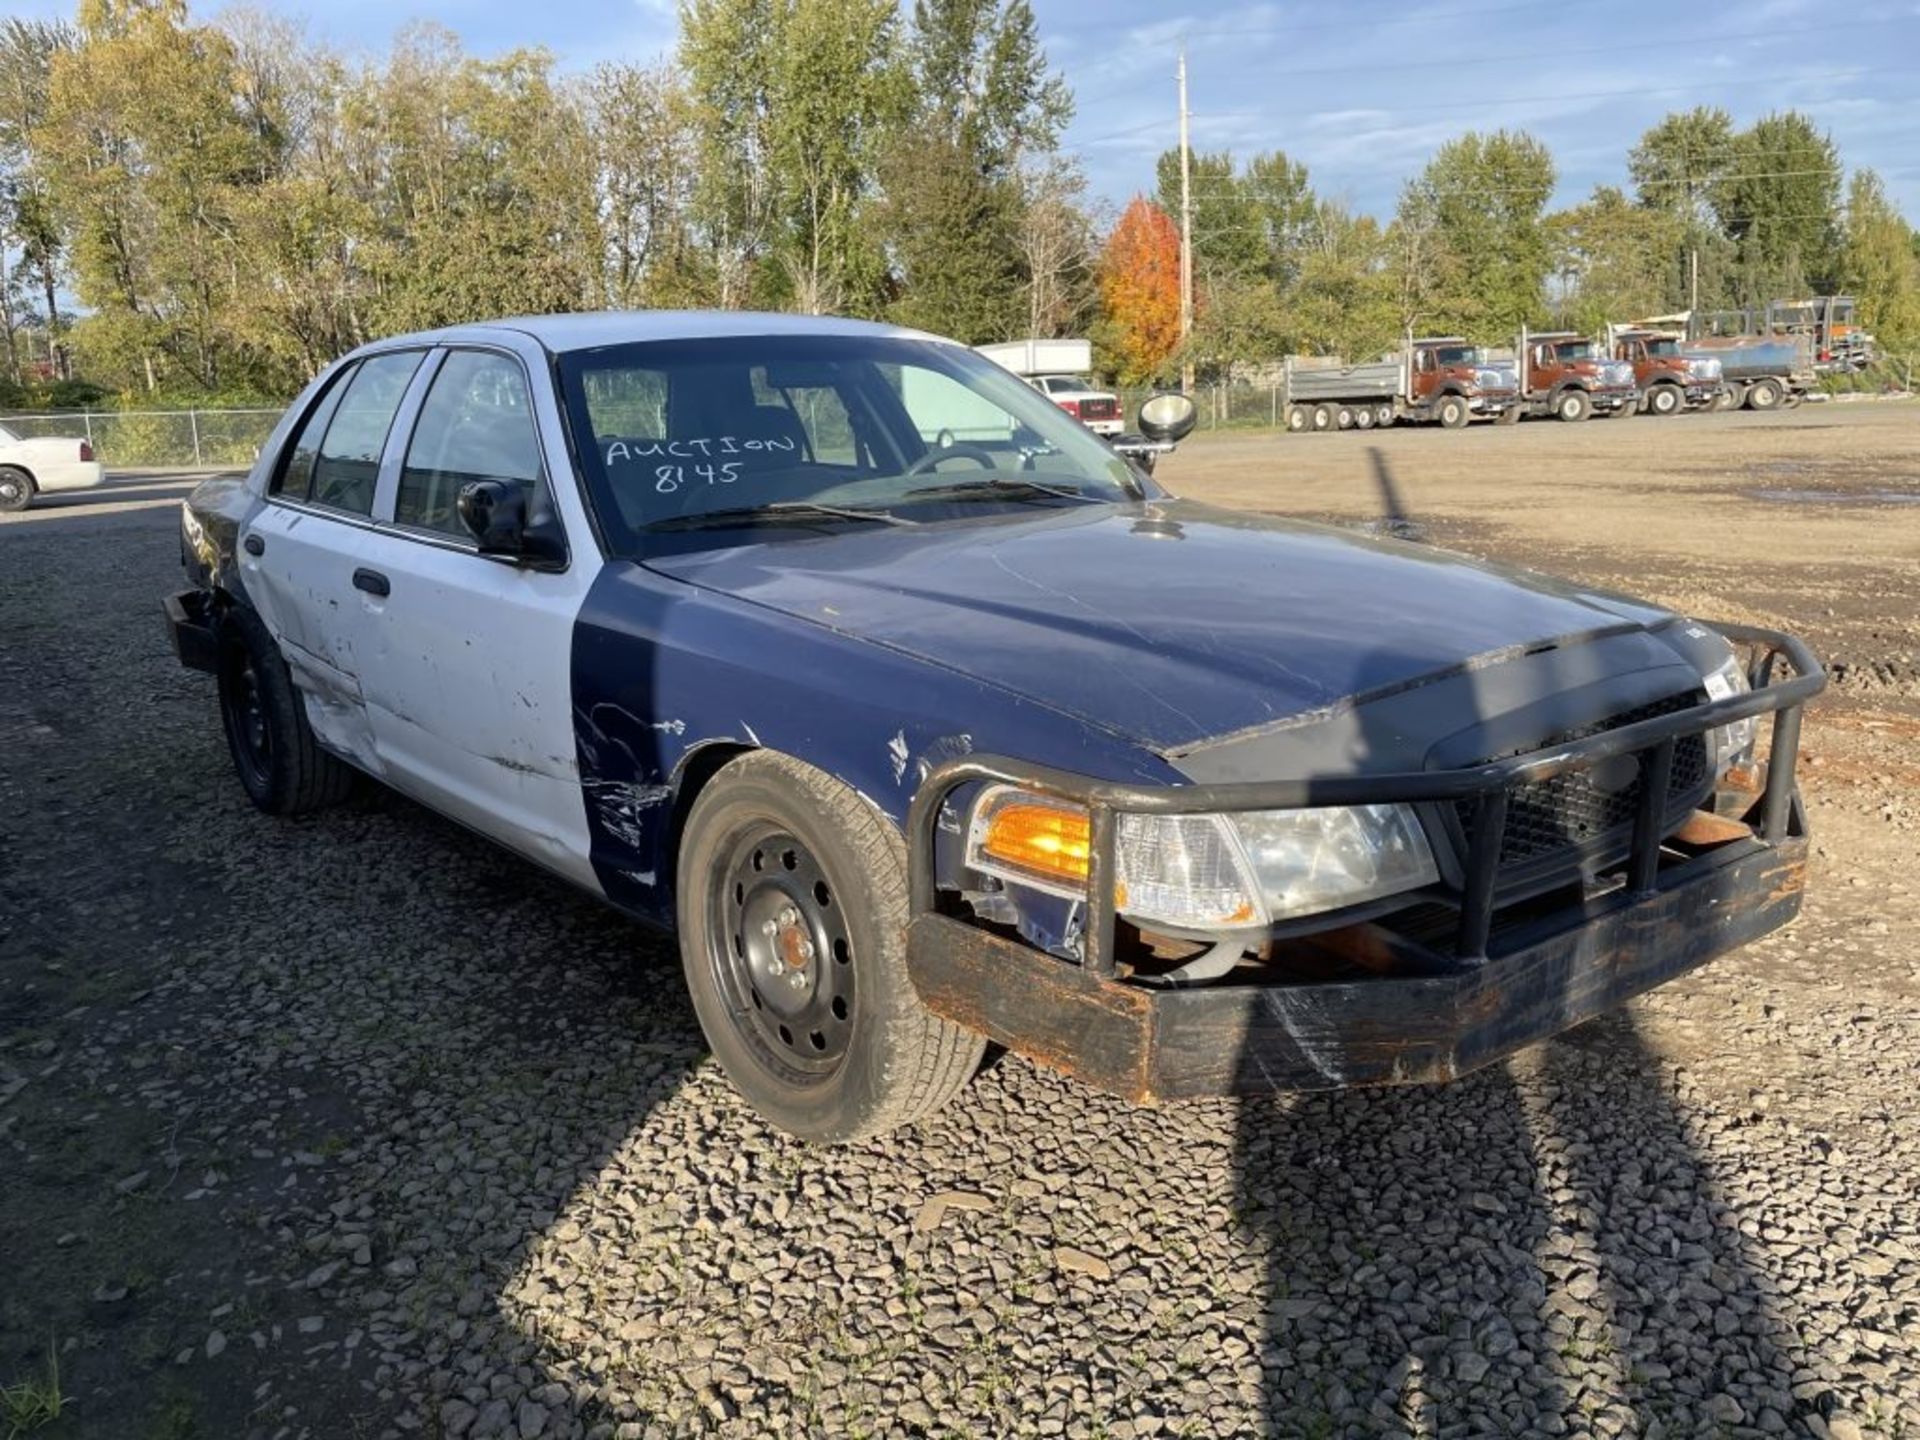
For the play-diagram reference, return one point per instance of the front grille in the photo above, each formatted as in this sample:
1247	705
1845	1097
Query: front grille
1097	409
1573	811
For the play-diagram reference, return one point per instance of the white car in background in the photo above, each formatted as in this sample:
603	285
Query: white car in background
1098	410
44	465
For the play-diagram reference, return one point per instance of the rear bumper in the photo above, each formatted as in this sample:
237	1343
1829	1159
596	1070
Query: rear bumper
1105	427
190	626
1164	1044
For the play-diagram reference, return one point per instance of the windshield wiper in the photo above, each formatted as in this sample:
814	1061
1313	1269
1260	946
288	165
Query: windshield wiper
994	487
795	511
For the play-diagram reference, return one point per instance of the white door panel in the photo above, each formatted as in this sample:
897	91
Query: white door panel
301	583
468	683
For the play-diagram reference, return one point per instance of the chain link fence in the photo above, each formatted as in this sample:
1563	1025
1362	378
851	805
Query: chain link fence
131	439
1222	406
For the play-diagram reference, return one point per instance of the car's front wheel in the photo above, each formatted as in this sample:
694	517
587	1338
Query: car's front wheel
280	764
792	896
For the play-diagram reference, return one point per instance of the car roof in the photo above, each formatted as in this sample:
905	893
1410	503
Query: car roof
592	329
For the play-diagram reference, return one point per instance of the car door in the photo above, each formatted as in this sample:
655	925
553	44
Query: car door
300	555
467	665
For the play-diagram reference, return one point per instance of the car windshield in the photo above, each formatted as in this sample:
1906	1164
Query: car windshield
752	431
1456	355
1574	350
1663	347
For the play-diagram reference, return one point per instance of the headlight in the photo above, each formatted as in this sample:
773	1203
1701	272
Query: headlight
1735	741
1207	872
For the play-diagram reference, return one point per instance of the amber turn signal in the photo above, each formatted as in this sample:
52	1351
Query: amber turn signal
1039	838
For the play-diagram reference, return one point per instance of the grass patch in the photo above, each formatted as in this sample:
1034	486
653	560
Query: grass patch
31	1403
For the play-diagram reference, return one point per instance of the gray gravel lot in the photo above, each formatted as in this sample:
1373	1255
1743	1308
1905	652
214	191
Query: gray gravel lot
355	1126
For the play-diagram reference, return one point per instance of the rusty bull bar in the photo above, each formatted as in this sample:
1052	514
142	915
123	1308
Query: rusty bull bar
1443	1014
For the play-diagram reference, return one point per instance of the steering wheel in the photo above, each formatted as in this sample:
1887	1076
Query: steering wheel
978	454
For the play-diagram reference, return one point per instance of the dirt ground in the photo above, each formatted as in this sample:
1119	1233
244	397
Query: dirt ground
353	1127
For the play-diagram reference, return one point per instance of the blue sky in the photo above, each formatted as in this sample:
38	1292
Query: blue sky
1363	93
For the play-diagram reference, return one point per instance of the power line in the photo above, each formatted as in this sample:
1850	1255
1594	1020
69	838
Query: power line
1483	102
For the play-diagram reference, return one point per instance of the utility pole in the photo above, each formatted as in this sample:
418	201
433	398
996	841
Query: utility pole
1186	235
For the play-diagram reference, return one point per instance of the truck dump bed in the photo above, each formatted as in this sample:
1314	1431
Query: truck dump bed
1378	381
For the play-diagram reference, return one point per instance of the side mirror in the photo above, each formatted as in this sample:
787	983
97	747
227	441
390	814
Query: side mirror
1168	417
497	515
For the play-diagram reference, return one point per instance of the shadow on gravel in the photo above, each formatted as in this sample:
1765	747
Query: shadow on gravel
1536	1249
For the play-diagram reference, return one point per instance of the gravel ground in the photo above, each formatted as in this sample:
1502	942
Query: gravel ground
352	1126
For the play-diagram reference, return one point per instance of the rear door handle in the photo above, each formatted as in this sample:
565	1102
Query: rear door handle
371	581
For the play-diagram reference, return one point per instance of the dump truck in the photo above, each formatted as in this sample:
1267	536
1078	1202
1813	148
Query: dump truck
1758	372
1444	379
1570	377
1668	380
1828	323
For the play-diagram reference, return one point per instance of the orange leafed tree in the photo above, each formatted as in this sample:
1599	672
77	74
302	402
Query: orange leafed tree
1140	290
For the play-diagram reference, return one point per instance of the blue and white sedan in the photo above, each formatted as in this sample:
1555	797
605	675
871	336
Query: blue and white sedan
925	719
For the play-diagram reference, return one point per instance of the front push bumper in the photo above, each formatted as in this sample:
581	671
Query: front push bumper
1398	1007
1166	1044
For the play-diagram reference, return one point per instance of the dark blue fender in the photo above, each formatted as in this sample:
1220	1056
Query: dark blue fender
662	669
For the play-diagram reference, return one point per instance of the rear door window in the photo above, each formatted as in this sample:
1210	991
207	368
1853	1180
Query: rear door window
295	479
348	461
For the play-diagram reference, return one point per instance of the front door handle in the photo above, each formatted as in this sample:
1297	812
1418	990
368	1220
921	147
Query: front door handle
371	581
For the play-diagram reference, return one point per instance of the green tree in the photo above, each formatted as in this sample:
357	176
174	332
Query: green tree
1880	264
1480	203
1676	168
1614	257
1778	202
982	224
27	219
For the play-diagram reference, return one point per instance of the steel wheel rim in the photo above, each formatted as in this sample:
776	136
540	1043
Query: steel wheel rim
247	720
10	489
781	952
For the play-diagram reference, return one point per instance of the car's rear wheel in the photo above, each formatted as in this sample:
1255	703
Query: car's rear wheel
792	900
1323	416
280	764
16	489
1299	417
1363	417
1766	395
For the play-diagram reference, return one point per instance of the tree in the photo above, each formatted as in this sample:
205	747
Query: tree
1055	241
640	124
1480	201
1614	256
1246	222
1880	264
1676	169
1777	202
962	177
1140	292
27	52
1346	298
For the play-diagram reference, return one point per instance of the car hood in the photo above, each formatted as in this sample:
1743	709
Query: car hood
1168	622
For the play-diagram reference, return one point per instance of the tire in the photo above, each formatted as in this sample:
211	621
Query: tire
1510	415
16	489
847	1051
1765	395
1383	416
280	764
1343	417
1453	412
1299	418
1323	416
1665	400
1363	417
1572	405
1737	398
